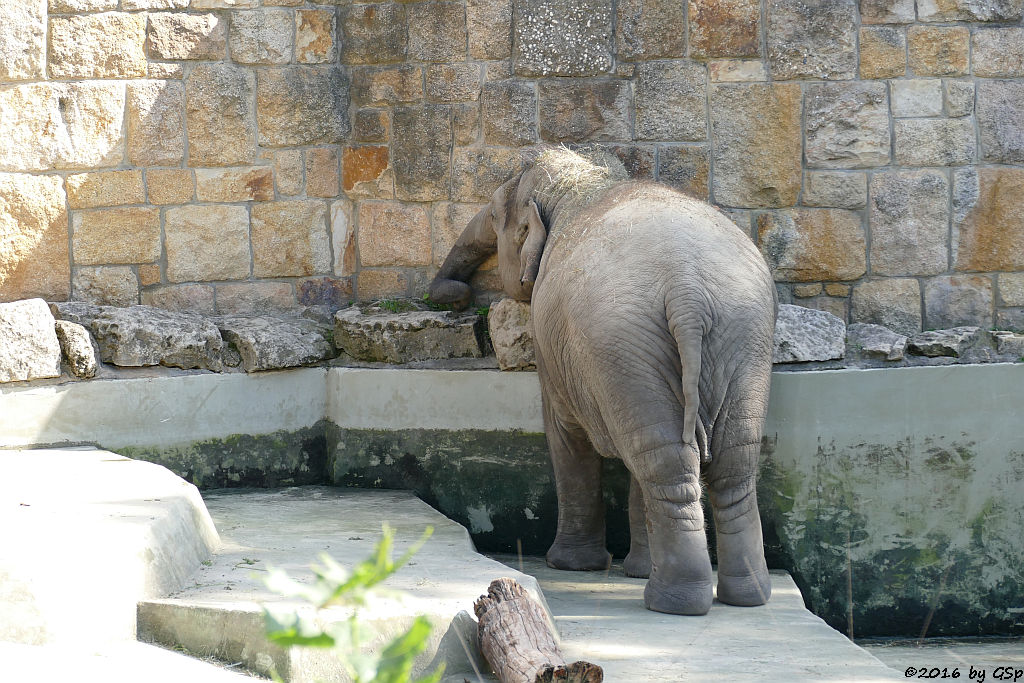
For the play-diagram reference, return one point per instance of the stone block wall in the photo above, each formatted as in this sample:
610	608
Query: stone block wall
245	155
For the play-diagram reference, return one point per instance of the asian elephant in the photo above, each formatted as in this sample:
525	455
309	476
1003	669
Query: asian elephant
653	319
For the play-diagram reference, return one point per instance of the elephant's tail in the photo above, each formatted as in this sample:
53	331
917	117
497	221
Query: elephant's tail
688	330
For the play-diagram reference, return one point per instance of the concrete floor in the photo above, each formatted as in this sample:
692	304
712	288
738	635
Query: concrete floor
975	660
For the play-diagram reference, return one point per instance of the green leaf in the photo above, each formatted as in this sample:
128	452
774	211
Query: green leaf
397	659
288	628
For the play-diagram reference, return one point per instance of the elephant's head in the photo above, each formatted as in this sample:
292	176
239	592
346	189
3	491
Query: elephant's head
510	224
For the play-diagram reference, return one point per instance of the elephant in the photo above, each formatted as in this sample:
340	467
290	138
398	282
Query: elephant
653	318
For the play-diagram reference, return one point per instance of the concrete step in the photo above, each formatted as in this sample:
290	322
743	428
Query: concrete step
219	614
87	534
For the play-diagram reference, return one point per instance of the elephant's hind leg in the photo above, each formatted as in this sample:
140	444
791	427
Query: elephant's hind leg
638	561
580	540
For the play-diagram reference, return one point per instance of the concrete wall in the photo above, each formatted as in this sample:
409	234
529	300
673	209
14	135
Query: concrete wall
242	155
893	496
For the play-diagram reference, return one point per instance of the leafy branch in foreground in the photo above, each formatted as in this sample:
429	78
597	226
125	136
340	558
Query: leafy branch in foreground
337	586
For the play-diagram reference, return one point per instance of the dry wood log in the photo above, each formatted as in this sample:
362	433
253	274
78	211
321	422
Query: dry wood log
517	642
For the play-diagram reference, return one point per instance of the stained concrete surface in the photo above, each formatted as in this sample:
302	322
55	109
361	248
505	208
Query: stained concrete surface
989	659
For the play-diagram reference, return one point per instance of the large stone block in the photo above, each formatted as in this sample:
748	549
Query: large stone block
970	10
737	71
453	82
804	334
883	52
757	150
315	36
393	234
951	342
938	50
562	37
835	189
176	35
382	283
246	184
156	123
892	302
725	28
449	220
141	335
811	245
1000	107
374	34
28	341
170	185
332	293
959	98
157	4
437	31
687	169
812	39
343	237
253	298
509	113
917	97
264	36
489	25
34	234
953	300
650	29
108	45
909	213
207	243
105	285
988	230
47	126
22	40
466	128
392	85
582	110
479	172
1011	289
847	125
105	188
511	332
370	125
998	53
270	343
323	166
302	106
887	11
190	298
874	341
72	6
670	101
420	152
406	337
289	239
935	142
366	172
121	235
219	115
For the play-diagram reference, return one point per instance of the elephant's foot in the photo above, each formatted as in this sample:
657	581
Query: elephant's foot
578	557
745	591
690	598
638	563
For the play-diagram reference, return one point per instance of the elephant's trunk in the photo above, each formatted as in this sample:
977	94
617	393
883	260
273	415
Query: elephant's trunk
476	243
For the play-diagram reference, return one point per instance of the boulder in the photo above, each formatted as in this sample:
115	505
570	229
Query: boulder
271	343
407	337
79	350
79	312
142	335
28	342
512	334
876	341
952	342
804	334
1009	343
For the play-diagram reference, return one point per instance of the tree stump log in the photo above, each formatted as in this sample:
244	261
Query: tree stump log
517	642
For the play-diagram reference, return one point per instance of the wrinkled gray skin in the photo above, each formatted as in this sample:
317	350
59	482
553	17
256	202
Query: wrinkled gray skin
653	319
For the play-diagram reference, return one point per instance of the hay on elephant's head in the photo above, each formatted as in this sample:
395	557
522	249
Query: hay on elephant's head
578	174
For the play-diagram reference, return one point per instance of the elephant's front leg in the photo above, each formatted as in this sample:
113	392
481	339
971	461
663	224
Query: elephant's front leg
580	539
681	578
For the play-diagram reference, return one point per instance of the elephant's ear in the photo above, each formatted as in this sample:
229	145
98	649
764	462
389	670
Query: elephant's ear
533	247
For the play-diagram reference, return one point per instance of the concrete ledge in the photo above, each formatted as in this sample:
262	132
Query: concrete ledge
87	534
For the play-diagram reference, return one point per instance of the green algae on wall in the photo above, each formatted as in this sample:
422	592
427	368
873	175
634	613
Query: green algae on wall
282	458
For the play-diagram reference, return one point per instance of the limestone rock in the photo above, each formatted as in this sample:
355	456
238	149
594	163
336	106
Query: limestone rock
892	302
875	341
407	337
176	35
909	214
952	342
953	300
757	155
578	110
670	99
302	106
262	36
1009	343
141	335
812	39
108	45
34	237
270	343
219	115
562	37
988	222
650	29
803	334
79	312
1000	107
28	342
38	132
808	245
78	349
847	125
421	152
22	40
512	334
